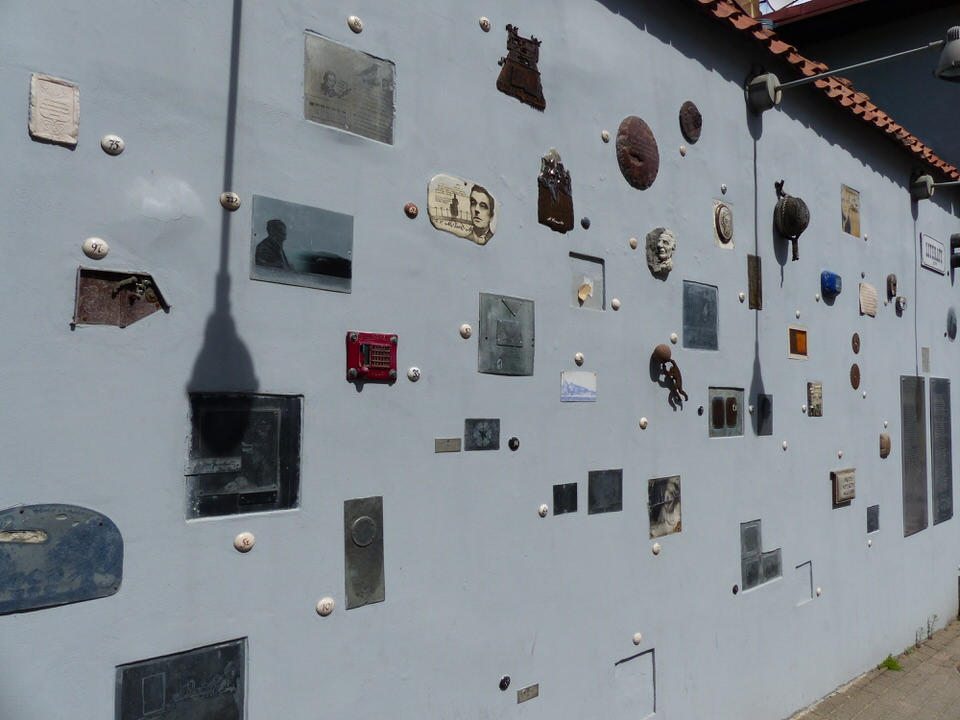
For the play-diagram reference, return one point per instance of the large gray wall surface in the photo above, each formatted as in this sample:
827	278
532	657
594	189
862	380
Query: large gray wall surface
478	586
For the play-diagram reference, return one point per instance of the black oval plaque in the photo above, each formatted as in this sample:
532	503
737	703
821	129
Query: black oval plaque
637	153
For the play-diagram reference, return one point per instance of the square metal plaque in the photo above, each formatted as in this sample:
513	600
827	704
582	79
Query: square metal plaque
481	434
505	346
700	316
564	498
605	491
348	89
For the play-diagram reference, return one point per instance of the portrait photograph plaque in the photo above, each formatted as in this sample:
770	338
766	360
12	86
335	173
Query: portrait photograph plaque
348	89
301	245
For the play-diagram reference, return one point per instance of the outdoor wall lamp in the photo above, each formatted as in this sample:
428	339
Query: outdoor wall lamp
763	92
923	186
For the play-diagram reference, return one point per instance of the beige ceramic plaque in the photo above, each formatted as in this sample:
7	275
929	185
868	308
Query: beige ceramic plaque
868	299
54	110
462	207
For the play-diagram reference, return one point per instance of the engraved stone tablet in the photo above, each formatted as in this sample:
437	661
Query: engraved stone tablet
868	299
57	554
54	110
462	207
207	682
914	451
844	485
348	89
637	153
941	450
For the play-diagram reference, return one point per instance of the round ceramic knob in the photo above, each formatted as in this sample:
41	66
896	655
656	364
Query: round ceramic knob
244	542
325	606
662	353
95	248
230	201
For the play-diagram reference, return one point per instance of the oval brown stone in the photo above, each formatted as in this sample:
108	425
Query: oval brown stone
637	153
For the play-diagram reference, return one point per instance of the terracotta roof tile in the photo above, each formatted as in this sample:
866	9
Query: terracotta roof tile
839	90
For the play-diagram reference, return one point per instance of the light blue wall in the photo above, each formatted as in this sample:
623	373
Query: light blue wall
477	584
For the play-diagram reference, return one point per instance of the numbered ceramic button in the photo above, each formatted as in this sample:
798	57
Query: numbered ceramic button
355	24
95	248
112	144
325	606
230	201
244	542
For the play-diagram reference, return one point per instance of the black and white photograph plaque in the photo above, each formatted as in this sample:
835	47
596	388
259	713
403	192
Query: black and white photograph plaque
301	245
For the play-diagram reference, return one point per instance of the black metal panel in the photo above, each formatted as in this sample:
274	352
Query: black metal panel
605	491
564	498
873	518
700	316
481	434
914	451
941	450
202	684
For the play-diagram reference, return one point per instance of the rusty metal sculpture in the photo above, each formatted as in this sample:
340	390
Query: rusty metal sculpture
671	372
791	217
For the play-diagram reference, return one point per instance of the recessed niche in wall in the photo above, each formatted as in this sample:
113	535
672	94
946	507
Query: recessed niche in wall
586	282
700	316
244	453
757	567
797	337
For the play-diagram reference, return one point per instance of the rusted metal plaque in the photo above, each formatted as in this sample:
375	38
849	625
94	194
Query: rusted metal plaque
519	75
637	153
755	282
691	121
106	297
855	376
555	199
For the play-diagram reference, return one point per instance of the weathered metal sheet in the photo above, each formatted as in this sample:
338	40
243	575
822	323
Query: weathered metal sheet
481	434
754	282
700	316
363	551
605	491
200	684
506	342
564	498
55	555
914	453
941	450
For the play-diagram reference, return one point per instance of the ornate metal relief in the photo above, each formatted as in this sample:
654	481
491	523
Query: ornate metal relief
555	199
519	75
637	153
723	224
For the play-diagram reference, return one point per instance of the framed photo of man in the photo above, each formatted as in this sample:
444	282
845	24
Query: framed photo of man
850	210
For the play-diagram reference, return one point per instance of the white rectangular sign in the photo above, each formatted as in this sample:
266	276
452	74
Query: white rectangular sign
933	254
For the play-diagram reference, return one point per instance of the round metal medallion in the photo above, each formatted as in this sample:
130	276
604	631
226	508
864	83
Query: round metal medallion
690	121
363	530
637	153
723	219
855	376
855	343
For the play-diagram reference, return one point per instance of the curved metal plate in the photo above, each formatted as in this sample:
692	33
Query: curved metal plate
691	121
637	153
855	376
57	554
855	343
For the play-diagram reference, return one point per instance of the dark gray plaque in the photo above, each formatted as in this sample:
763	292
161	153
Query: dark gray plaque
750	541
749	572
700	316
764	414
726	412
505	345
873	518
363	551
771	565
200	684
348	89
301	245
57	554
941	450
914	451
564	498
605	491
755	282
481	434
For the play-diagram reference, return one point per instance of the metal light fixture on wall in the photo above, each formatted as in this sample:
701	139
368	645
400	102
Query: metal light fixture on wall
763	91
922	186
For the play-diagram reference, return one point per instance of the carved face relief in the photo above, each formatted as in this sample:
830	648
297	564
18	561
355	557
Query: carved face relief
661	244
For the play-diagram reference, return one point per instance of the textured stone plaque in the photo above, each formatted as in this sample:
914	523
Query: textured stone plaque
844	485
868	299
348	89
637	153
54	110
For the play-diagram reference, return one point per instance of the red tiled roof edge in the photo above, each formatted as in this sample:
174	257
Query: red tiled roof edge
839	90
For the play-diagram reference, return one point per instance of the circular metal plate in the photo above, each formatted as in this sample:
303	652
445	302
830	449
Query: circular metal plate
363	530
855	376
855	343
637	153
690	121
723	219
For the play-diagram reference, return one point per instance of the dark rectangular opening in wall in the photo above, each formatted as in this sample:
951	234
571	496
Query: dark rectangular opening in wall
244	453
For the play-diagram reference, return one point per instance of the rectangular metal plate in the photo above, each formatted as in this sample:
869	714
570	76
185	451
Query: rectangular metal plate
348	89
363	551
586	282
578	386
528	693
725	412
941	450
663	505
700	316
873	518
301	245
604	491
814	399
844	485
442	445
755	282
564	498
914	452
481	434
764	414
933	254
206	682
505	345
